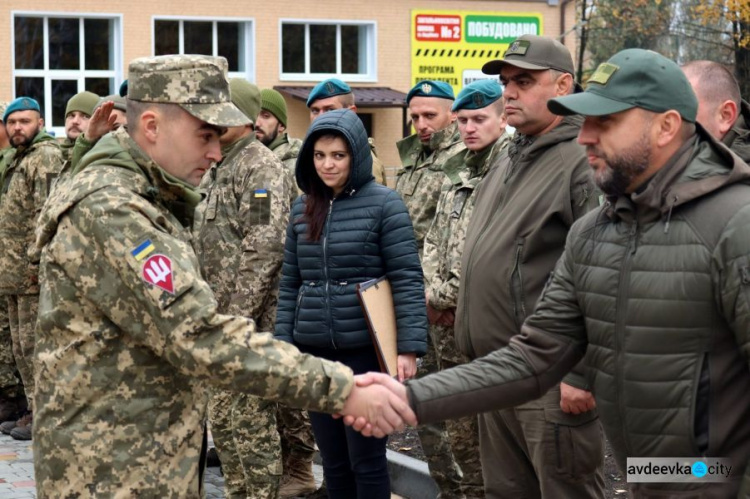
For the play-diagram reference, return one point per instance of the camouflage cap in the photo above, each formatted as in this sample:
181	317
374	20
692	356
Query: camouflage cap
197	83
632	78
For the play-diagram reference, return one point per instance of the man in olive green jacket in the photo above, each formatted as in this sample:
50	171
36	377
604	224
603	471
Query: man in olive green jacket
522	215
653	287
721	110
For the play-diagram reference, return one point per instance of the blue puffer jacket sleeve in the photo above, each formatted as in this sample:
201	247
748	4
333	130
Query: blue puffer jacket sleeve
289	286
402	267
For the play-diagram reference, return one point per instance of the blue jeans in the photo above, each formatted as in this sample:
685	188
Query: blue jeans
355	467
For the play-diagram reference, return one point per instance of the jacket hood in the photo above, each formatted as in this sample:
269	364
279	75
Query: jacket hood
348	124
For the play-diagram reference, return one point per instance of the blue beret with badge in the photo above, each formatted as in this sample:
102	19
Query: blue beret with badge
478	94
328	88
21	104
431	88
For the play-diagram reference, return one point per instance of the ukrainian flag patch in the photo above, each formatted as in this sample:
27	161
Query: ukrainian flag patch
261	193
143	250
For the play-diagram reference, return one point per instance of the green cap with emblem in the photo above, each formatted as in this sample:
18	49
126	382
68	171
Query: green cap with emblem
197	83
632	78
21	104
533	52
431	88
478	94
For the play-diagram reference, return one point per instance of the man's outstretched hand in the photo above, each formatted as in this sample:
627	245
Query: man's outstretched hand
378	406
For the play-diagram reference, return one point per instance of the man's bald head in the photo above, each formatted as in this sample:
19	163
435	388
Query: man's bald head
718	95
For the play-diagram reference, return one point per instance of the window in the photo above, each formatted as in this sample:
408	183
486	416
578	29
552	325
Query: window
230	38
324	49
55	56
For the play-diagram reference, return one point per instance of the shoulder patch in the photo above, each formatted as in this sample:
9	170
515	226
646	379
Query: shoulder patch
157	271
142	250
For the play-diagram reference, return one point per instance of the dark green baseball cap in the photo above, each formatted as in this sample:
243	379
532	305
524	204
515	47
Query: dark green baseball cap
536	53
632	78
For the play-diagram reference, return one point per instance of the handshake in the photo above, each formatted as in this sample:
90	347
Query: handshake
377	406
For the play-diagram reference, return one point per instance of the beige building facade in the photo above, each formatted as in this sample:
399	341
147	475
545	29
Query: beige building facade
54	49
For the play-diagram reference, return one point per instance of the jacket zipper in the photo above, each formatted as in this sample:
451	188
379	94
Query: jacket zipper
516	287
300	296
325	274
467	270
622	302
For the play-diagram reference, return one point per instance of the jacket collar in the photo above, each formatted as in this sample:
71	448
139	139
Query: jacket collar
278	141
412	151
738	137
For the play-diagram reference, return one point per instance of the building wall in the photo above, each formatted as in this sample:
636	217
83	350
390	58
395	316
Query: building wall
393	19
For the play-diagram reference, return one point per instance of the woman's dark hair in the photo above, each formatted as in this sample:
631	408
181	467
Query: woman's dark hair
320	196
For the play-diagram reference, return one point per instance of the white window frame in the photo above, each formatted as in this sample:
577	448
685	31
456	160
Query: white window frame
370	76
248	49
78	75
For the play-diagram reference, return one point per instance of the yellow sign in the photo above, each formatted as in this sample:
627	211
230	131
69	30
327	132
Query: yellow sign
453	45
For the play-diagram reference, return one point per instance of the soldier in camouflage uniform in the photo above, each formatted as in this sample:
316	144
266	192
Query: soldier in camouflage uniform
12	397
239	229
332	94
129	338
297	440
78	112
481	123
270	128
27	182
422	156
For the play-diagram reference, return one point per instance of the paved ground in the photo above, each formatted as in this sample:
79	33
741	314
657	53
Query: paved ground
17	472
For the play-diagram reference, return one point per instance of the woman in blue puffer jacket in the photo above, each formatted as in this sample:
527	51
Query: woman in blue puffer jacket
347	229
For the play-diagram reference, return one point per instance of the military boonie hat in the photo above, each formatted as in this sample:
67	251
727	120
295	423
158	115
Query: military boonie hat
632	78
21	104
328	88
478	95
197	83
431	88
533	52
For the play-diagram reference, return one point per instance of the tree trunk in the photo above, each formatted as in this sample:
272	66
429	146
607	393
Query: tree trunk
742	58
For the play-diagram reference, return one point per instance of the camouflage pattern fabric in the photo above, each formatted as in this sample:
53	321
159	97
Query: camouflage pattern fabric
129	338
378	169
22	315
27	181
10	385
287	150
421	176
239	229
297	439
197	83
6	156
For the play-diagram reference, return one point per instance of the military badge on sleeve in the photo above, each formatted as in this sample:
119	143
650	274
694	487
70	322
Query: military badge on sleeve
157	271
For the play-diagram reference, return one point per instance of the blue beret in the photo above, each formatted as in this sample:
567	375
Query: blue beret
431	88
328	88
123	88
478	94
21	104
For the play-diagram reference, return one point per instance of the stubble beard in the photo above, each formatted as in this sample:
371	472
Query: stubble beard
623	167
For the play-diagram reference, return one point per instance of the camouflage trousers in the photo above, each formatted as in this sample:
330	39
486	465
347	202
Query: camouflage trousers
246	439
444	469
22	312
463	433
10	385
295	431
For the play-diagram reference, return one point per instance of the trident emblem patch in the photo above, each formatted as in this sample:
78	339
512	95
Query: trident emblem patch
157	270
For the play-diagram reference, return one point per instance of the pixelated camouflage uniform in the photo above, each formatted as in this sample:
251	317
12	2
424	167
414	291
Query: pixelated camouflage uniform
295	430
443	246
73	152
124	366
378	169
26	185
286	149
418	183
10	385
239	232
